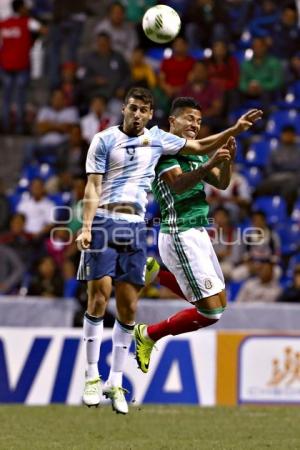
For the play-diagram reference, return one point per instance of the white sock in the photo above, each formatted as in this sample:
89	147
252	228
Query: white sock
92	334
121	339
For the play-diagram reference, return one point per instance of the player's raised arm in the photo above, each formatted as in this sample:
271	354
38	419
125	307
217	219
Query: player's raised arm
90	203
212	143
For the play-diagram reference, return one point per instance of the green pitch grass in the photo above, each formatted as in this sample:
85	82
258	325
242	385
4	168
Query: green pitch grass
149	427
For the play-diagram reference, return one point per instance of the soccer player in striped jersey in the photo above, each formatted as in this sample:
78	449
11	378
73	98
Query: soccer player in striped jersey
120	166
184	244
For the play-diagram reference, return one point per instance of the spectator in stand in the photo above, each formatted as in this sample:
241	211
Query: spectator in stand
264	18
69	276
76	154
142	73
53	125
70	84
261	243
207	94
16	41
239	14
261	76
174	71
285	34
18	239
75	223
104	72
122	33
65	34
283	170
225	241
57	244
38	210
236	198
11	270
4	208
97	119
223	70
293	74
291	294
134	14
206	20
264	287
46	280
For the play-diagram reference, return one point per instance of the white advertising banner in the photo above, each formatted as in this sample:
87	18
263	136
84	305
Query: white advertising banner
269	369
39	366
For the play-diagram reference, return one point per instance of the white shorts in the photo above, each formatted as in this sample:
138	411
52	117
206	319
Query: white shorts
190	256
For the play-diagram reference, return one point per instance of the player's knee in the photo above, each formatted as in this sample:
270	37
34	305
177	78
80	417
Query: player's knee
212	315
97	301
126	312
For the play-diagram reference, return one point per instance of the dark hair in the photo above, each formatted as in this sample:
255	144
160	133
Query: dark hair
288	128
17	5
140	93
104	35
113	4
180	103
258	212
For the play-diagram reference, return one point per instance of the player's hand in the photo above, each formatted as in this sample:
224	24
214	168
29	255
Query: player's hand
220	156
248	119
232	147
84	240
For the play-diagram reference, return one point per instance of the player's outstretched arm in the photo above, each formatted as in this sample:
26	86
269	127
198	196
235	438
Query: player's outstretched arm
90	204
212	143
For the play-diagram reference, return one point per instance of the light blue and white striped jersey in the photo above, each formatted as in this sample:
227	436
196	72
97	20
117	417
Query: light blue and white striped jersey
128	163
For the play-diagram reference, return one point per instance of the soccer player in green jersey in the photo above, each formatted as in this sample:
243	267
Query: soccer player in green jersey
184	245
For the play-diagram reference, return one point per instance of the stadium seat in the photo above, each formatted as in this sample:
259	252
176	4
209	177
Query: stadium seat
259	152
281	118
233	288
274	208
15	198
152	209
289	233
295	216
253	175
294	261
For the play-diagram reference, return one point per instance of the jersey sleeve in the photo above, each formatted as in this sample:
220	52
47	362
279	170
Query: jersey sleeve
165	164
96	161
171	143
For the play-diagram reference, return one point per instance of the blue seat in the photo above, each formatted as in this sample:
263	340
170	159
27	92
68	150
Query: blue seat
274	208
259	152
295	216
279	119
233	288
152	209
253	175
289	233
15	198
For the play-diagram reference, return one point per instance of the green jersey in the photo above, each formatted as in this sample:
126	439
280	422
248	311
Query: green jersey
180	212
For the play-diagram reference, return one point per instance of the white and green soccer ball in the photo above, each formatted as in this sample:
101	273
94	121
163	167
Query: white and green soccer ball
161	24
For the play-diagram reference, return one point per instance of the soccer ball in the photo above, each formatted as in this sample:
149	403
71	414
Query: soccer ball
161	24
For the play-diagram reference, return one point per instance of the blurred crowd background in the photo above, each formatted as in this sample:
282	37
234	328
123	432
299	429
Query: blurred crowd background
65	66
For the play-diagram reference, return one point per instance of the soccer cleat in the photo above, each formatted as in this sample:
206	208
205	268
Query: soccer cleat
152	270
92	392
117	397
143	347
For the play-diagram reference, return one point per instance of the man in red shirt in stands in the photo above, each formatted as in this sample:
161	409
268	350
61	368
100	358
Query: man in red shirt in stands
174	71
15	44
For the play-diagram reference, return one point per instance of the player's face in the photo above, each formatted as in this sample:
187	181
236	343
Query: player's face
186	124
136	116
